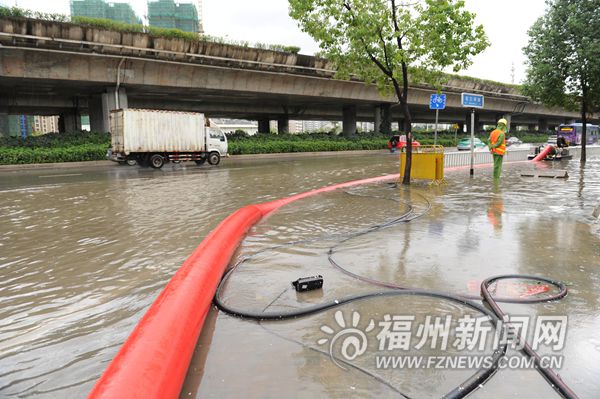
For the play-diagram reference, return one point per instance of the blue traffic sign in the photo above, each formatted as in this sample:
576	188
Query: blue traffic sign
437	101
23	126
471	100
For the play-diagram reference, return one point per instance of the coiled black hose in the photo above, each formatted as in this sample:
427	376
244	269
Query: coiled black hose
496	314
550	376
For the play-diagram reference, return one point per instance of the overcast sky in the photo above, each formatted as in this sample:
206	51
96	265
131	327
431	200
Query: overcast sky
506	23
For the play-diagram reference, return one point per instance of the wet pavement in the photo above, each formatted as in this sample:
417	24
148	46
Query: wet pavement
84	252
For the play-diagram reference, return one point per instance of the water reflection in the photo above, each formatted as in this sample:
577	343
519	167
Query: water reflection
496	207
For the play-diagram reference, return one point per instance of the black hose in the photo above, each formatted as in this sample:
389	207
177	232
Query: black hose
495	315
550	376
465	388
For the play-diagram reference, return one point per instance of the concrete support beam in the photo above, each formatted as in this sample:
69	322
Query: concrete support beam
542	125
180	84
283	125
3	124
264	125
69	121
97	122
383	119
349	121
112	100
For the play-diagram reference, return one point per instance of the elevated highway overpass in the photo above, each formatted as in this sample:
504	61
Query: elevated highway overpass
59	68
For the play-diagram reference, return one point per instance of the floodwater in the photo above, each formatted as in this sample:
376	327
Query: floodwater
84	252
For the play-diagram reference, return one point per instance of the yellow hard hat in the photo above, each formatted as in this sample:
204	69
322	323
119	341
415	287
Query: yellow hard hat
503	121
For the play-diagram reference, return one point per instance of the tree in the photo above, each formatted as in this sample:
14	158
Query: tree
564	59
389	43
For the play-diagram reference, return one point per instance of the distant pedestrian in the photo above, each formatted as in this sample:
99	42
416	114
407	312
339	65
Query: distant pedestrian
498	146
393	143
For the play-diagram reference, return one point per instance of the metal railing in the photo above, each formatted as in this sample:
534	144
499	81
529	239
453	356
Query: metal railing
590	150
463	158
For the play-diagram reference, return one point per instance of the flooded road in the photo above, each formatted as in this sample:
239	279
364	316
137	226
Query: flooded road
83	253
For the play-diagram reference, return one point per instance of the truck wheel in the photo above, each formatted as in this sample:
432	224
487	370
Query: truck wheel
214	158
200	161
131	162
157	161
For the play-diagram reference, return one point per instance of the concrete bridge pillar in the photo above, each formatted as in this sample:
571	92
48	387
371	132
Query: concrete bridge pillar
264	125
69	121
498	117
383	119
542	125
112	100
508	118
402	128
3	124
349	122
97	122
478	125
283	125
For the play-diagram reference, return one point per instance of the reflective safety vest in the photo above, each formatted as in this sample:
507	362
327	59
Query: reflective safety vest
501	149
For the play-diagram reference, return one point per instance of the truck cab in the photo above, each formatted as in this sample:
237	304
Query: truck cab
216	140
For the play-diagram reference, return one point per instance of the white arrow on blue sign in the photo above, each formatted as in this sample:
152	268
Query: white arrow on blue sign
437	101
471	100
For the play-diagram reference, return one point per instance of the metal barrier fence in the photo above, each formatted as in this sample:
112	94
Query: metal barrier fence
591	150
463	158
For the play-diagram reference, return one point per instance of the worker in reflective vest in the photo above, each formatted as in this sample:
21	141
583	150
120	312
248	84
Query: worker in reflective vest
498	146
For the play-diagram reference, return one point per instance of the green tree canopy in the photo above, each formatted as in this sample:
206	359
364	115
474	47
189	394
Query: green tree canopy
564	58
388	42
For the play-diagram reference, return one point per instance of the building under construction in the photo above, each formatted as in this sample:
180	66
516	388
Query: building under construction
121	12
169	14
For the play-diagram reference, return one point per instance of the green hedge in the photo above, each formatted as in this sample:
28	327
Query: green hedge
54	147
57	140
108	24
273	146
27	155
312	142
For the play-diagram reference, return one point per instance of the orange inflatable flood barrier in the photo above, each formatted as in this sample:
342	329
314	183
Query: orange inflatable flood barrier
153	361
545	151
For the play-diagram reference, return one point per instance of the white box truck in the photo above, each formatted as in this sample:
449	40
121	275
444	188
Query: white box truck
152	138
